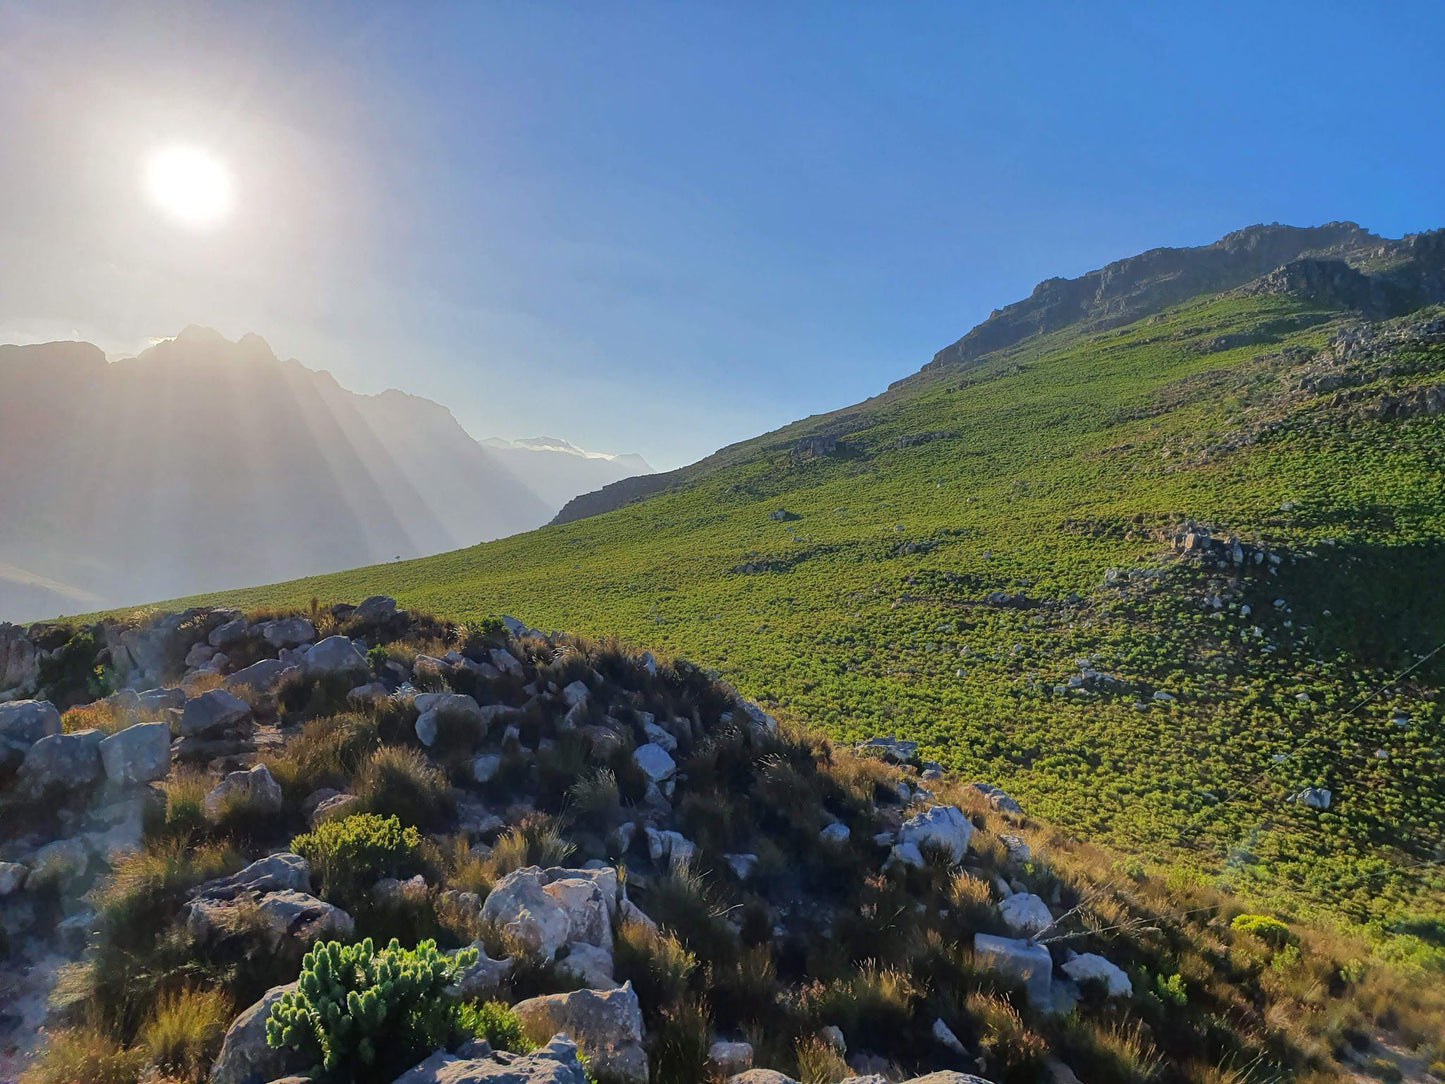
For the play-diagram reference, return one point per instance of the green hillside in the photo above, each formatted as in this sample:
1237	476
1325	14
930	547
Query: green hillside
984	533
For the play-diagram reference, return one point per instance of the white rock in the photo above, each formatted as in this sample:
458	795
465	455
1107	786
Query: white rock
742	865
486	767
1091	967
943	827
730	1058
655	761
1025	913
835	833
256	788
1022	961
335	655
590	963
575	693
944	1036
212	711
669	845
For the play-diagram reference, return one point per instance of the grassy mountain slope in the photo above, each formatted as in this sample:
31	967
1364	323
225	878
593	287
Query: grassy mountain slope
1057	472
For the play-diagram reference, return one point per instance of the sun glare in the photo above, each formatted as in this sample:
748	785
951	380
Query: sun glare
189	185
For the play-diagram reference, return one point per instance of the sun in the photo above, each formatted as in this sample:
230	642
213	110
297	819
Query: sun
189	185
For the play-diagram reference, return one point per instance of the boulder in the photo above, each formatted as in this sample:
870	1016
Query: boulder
575	693
760	1076
63	862
282	917
288	632
1315	797
606	1025
730	1058
591	965
1019	961
156	700
273	873
943	1035
588	914
1025	913
19	659
455	707
212	712
906	854
742	865
836	833
23	723
262	678
655	761
246	1057
758	718
505	661
520	905
12	876
998	798
947	1076
255	788
229	634
137	754
338	805
486	767
669	846
375	609
335	655
555	1063
67	761
943	827
1091	967
200	655
481	977
896	750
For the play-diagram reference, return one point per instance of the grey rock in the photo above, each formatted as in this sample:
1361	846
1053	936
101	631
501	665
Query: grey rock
256	788
591	964
555	1063
137	754
335	655
944	1036
730	1058
375	609
575	693
263	677
758	718
229	634
338	805
211	712
284	916
1088	967
288	632
521	907
63	862
896	750
486	767
606	1025
836	833
1025	913
947	1076
67	761
655	761
742	865
997	798
761	1076
669	845
23	723
1020	961
505	661
155	700
483	976
12	877
273	873
245	1056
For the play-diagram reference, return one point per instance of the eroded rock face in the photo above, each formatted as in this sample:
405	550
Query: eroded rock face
546	909
606	1025
285	919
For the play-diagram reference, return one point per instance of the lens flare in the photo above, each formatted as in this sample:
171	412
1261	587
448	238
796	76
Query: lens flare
189	185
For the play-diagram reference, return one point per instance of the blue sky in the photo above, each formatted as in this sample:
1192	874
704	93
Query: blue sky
664	227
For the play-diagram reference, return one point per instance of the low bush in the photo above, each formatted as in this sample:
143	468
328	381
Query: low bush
352	853
1268	929
680	1042
656	964
535	841
495	1022
365	1016
84	1056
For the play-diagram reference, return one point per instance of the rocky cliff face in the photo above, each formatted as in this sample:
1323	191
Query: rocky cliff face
1129	289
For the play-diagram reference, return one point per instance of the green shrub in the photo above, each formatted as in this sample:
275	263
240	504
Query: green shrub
1171	990
495	1022
1268	929
399	781
351	853
535	841
363	1015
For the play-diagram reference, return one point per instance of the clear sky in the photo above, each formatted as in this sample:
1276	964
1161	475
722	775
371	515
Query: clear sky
662	227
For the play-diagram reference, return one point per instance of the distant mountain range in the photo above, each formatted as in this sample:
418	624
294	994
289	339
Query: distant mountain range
204	462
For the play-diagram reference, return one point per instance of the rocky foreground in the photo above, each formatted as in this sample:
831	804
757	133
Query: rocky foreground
637	869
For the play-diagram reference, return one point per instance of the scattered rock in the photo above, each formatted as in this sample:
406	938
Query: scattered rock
486	767
555	1063
262	678
670	846
63	862
1315	797
1020	961
270	874
137	754
288	632
999	799
1091	967
23	723
338	805
655	761
62	761
246	1057
836	833
607	1027
1023	912
481	977
730	1058
256	788
943	827
335	655
212	712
